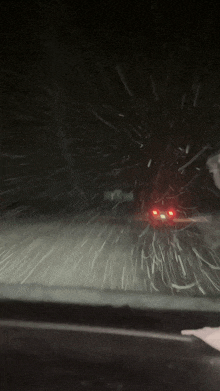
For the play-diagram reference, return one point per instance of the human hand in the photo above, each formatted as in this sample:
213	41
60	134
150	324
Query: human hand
210	335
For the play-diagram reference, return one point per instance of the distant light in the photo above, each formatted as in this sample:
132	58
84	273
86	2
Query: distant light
155	212
163	216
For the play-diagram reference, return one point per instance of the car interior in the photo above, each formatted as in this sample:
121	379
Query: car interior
49	345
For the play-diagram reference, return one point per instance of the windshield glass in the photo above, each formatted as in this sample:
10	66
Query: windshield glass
110	155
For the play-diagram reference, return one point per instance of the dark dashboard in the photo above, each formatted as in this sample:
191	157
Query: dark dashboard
51	346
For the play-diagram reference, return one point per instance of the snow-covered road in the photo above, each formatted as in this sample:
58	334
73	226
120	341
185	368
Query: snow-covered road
91	251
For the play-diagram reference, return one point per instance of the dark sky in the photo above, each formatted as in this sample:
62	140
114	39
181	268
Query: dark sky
155	19
148	23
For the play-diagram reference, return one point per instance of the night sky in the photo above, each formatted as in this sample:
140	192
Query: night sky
104	94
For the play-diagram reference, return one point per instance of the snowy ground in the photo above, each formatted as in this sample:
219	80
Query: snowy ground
94	251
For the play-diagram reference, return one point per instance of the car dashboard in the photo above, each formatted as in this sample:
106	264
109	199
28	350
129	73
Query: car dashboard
53	346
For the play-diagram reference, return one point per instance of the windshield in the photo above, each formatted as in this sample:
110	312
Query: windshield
110	156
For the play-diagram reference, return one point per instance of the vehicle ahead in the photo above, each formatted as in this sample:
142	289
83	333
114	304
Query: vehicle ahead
160	217
159	212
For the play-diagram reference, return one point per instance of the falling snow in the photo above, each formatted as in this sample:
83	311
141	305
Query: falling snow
99	135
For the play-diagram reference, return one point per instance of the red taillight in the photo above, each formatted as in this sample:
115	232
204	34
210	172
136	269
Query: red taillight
171	213
155	213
